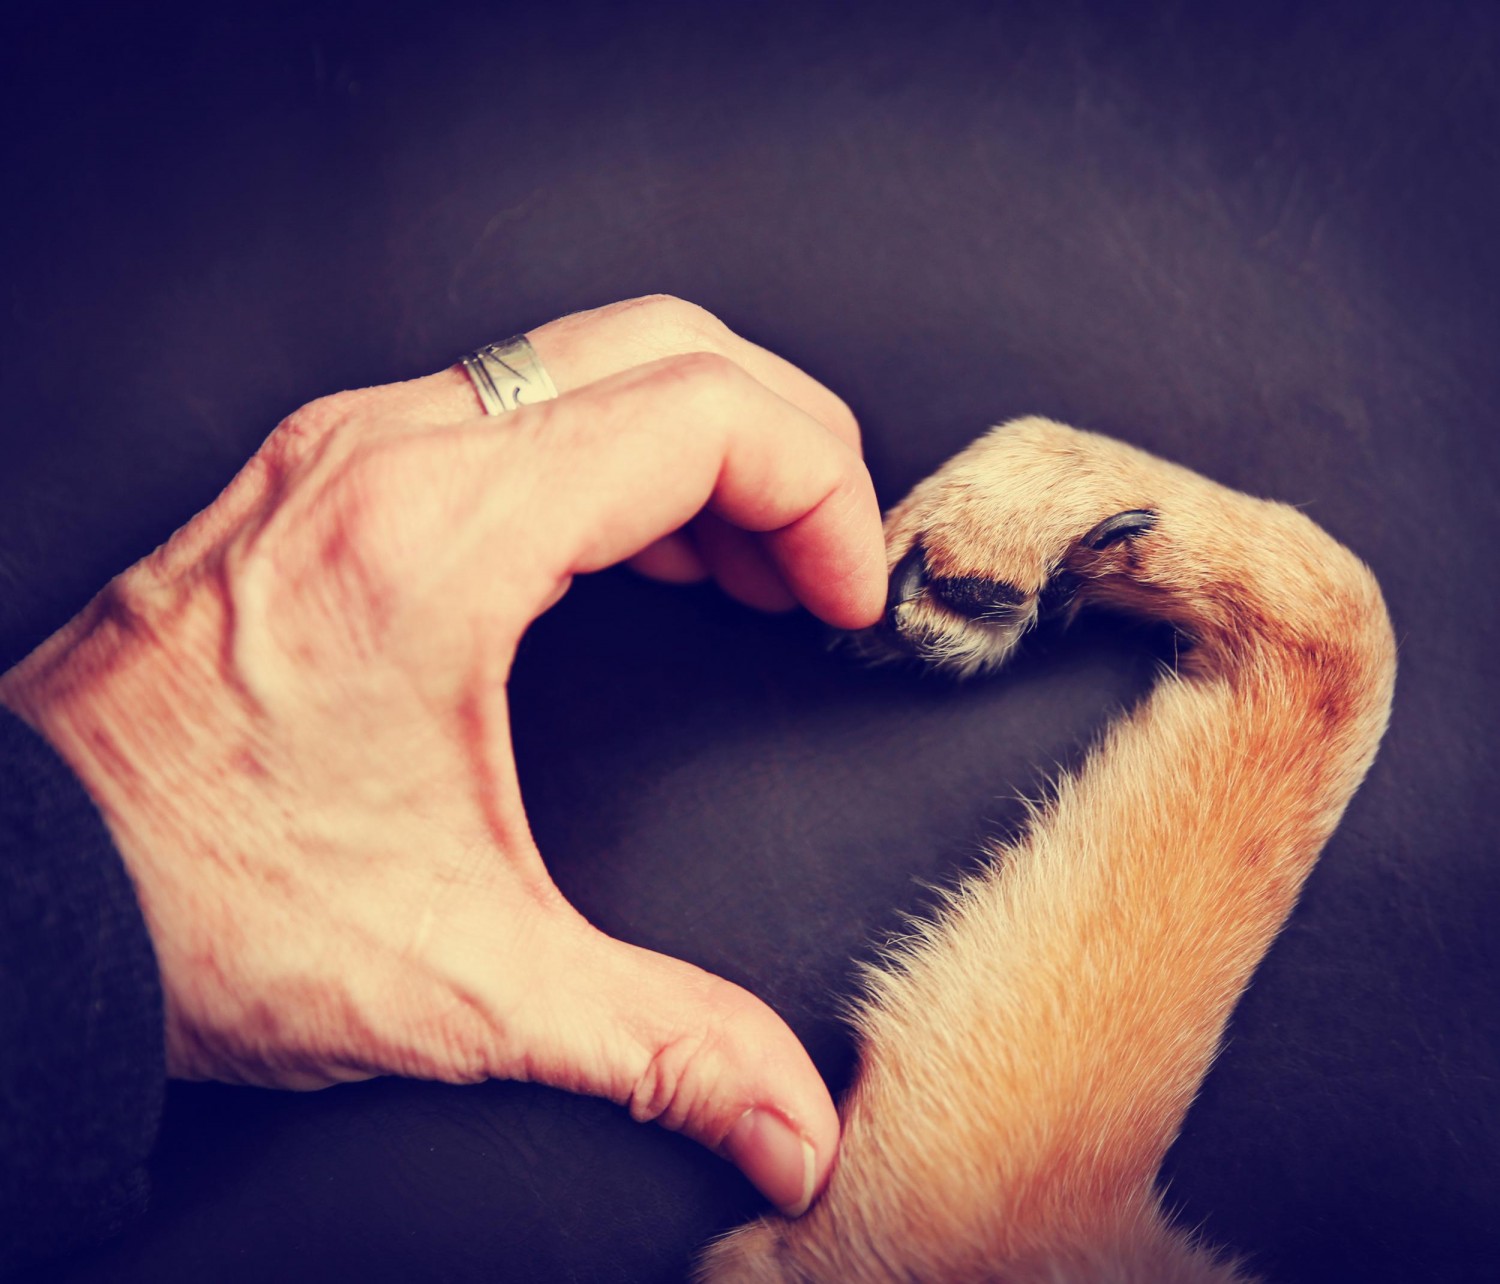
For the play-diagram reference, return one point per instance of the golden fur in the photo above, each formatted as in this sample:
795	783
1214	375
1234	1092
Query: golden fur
1029	1059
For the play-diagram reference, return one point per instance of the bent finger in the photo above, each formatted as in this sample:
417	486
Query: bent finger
739	566
673	559
625	461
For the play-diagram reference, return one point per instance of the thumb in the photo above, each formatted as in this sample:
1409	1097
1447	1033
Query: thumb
698	1055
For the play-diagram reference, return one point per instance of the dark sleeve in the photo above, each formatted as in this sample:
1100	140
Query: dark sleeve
82	1048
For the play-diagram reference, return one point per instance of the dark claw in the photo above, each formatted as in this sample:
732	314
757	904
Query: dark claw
1136	521
1058	596
908	579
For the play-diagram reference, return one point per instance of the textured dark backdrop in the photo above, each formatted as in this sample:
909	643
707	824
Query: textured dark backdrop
1261	241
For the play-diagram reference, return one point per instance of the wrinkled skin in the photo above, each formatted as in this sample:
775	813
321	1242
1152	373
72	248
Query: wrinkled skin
293	718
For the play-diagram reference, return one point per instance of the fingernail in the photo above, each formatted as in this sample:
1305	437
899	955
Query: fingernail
769	1151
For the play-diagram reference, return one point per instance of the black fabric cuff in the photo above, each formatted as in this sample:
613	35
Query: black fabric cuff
82	1040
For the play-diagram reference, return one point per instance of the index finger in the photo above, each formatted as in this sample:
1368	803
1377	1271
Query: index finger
619	463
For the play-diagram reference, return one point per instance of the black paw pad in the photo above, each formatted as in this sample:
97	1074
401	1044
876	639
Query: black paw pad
972	596
1126	525
977	598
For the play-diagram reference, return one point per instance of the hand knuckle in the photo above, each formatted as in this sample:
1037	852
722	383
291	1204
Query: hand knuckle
686	326
372	537
683	1078
301	431
700	385
374	485
661	1091
700	370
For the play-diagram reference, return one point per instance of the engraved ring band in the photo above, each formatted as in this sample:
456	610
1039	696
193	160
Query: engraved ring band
507	375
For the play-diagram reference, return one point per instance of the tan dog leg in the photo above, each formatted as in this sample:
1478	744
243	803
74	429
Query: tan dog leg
1029	1060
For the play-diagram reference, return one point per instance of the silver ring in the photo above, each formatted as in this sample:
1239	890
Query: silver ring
509	374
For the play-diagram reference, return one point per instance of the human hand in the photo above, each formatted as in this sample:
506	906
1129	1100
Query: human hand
293	717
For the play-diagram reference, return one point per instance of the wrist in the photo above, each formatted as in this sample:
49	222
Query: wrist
123	694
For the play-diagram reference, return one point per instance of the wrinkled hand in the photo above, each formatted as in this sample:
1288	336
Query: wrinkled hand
293	716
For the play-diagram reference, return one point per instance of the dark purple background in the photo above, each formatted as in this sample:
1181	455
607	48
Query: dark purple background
1263	243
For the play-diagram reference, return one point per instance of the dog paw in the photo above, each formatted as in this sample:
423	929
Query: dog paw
1034	519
